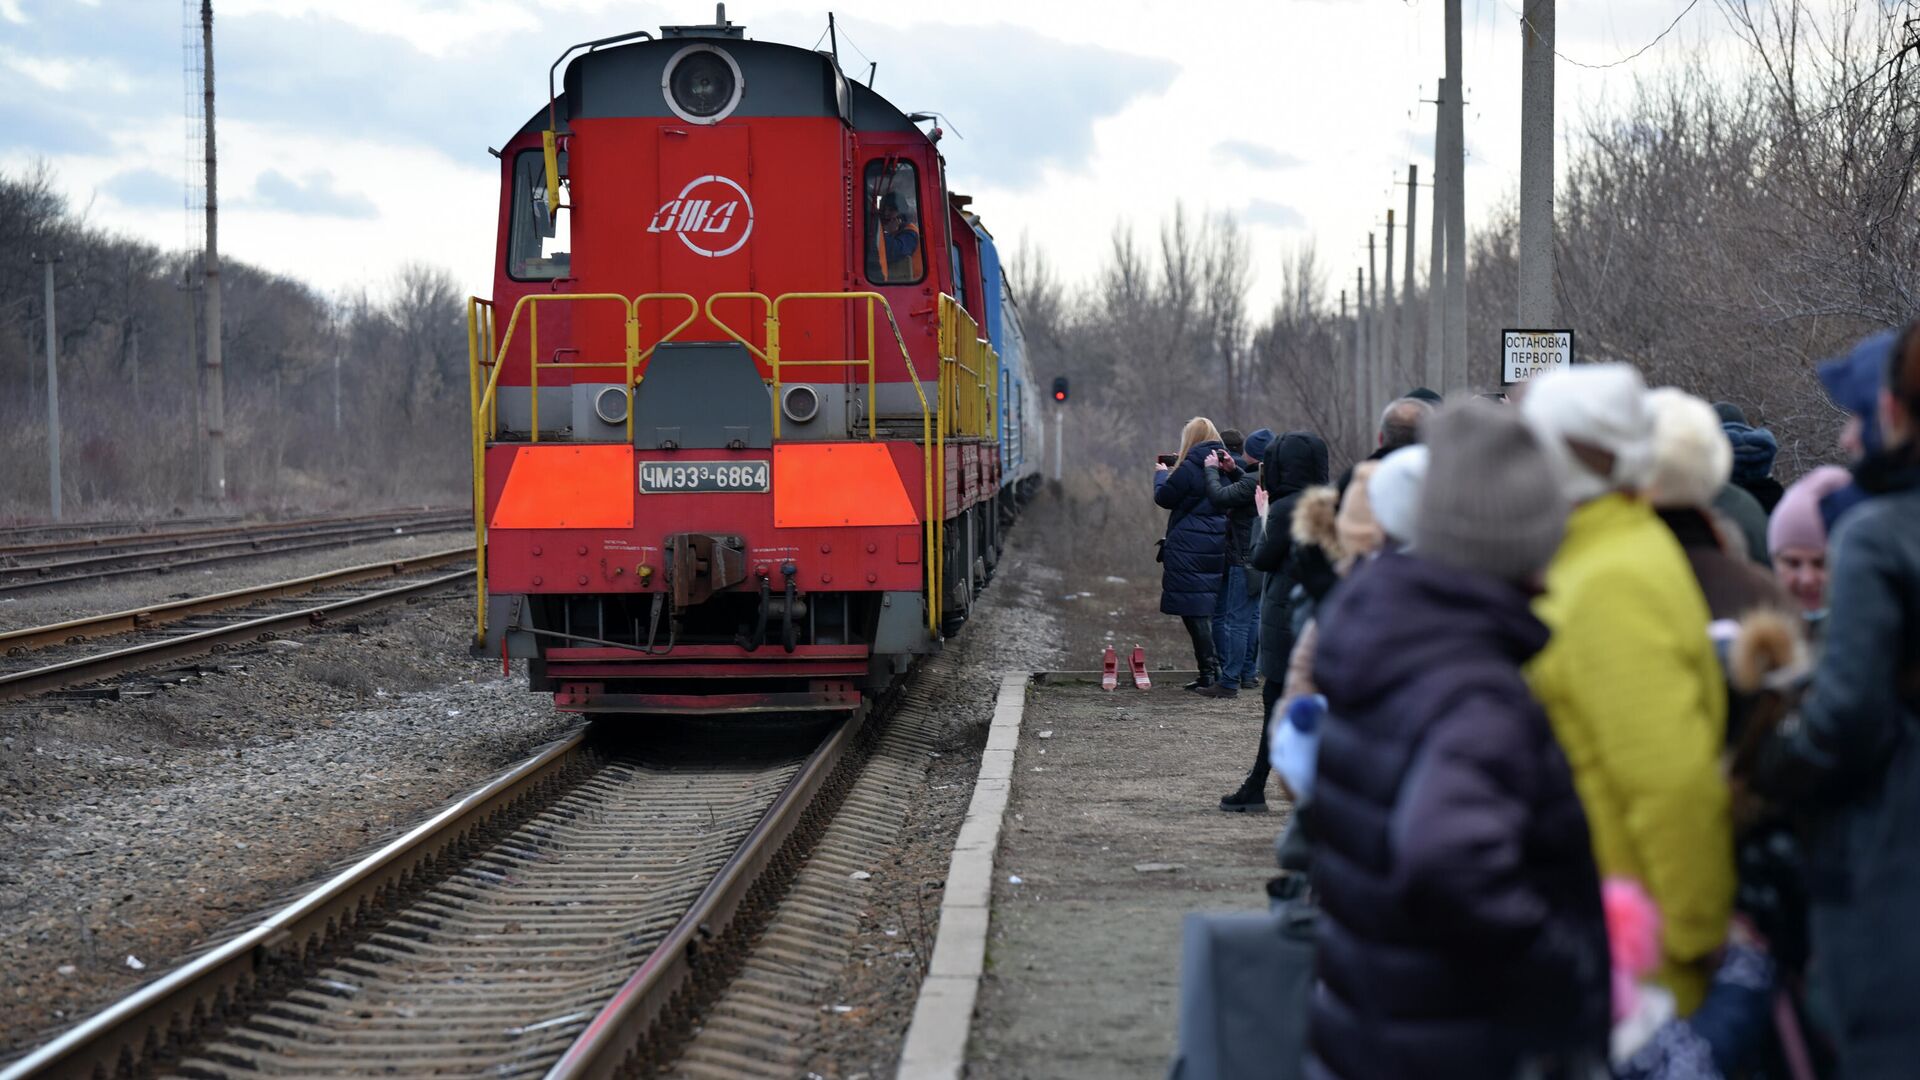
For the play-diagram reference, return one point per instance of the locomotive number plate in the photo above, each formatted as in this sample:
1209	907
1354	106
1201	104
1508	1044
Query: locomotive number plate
659	477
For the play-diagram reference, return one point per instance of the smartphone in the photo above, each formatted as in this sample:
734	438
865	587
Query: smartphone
1169	460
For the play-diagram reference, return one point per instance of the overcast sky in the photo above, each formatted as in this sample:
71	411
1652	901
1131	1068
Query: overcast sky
353	134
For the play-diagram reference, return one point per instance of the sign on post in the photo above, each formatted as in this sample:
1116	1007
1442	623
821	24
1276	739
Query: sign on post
1526	353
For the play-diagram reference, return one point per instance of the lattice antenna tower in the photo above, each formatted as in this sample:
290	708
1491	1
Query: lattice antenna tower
194	67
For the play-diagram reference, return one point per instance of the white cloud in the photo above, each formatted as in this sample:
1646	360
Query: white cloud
1077	113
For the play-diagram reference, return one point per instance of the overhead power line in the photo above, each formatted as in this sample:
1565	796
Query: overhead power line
1634	55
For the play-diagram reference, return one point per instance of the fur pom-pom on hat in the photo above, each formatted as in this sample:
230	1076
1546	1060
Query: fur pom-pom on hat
1691	457
1769	646
1313	519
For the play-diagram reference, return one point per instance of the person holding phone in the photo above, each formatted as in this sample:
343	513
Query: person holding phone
1193	552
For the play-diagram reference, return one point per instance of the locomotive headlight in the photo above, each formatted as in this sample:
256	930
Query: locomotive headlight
610	405
800	403
702	84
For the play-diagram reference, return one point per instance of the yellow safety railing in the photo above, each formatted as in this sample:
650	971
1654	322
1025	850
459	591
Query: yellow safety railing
966	401
486	359
933	458
969	374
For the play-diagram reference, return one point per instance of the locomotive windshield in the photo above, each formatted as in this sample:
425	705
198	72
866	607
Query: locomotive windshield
537	245
893	223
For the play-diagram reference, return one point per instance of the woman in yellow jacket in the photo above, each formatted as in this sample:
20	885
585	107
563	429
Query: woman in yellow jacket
1630	680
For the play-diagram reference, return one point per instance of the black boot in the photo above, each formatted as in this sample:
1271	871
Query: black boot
1208	684
1248	800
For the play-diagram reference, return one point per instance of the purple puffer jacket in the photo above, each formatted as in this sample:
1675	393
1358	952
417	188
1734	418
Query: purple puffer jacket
1462	929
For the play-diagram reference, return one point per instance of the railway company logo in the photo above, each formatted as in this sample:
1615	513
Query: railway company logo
712	216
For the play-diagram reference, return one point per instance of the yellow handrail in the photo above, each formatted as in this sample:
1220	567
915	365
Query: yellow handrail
933	456
483	394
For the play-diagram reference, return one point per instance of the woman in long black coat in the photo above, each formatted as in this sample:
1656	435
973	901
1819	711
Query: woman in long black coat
1194	554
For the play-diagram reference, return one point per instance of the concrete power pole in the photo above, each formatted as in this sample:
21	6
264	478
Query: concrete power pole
53	389
1458	377
1437	251
1390	322
1363	406
1406	291
216	398
1536	300
1374	381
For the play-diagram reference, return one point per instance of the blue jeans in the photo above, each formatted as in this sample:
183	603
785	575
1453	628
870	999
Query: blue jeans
1232	617
1250	668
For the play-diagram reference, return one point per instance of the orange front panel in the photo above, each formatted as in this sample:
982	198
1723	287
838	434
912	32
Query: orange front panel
567	487
825	484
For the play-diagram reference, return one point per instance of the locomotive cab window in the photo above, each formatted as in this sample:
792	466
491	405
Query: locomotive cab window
893	236
538	239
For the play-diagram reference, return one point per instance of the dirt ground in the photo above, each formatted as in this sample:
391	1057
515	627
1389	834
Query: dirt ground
1113	835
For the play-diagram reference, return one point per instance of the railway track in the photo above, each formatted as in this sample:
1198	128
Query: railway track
258	541
56	658
11	535
29	541
599	909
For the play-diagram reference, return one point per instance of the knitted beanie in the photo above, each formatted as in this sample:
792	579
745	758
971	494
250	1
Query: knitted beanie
1796	521
1601	405
1394	491
1491	502
1257	443
1691	455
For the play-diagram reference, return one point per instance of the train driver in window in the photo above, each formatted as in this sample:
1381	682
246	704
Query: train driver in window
894	254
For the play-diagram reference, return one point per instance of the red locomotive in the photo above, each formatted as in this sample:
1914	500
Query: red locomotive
750	407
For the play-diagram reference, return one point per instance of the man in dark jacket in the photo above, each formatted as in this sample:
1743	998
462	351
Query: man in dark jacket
1754	449
1852	763
1295	462
1194	555
1462	933
1240	594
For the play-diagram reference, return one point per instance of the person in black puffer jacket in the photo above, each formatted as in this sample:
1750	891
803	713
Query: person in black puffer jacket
1295	462
1193	554
1462	933
1230	484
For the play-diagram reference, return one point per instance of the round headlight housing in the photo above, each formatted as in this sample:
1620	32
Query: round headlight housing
800	403
702	84
610	405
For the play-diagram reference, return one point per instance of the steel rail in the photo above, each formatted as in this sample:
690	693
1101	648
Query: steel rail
48	528
134	657
125	1030
232	530
24	579
16	642
622	1026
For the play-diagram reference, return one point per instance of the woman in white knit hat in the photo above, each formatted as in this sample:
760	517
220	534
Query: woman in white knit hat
1630	679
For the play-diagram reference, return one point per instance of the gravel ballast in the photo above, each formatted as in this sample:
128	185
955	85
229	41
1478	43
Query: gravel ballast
134	829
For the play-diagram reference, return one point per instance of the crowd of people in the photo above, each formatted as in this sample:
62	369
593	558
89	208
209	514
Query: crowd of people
1603	744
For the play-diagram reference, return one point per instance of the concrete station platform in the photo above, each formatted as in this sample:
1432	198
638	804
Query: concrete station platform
1108	832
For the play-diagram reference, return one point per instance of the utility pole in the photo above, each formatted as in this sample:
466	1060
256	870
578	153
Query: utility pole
1359	414
1389	321
1364	407
1536	306
53	389
1374	381
336	389
1456	167
1437	251
1406	293
216	400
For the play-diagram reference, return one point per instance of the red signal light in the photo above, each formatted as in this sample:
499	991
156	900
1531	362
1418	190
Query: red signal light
1059	395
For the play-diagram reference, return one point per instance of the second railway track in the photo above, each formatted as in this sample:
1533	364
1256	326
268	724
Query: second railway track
45	658
65	568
